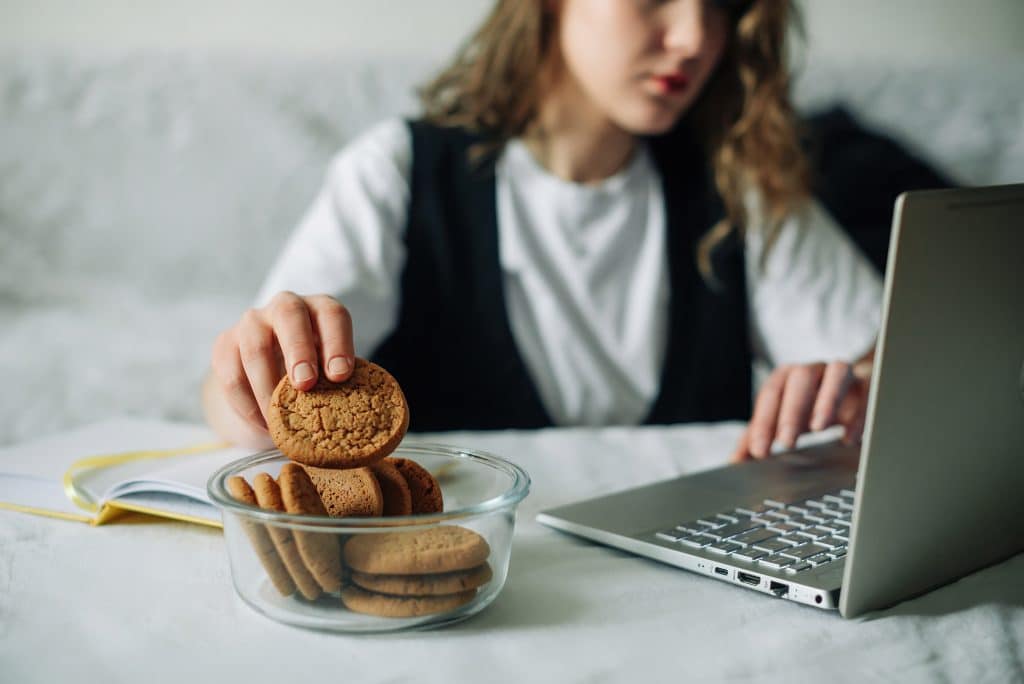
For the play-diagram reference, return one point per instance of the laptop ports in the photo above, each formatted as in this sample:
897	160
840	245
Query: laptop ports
780	589
747	578
721	571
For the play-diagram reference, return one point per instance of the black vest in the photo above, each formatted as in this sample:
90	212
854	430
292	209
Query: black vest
453	351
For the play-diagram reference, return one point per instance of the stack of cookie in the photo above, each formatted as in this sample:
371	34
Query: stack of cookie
407	574
339	437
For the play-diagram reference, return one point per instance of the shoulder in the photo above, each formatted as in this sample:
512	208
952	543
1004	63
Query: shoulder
808	235
387	144
437	147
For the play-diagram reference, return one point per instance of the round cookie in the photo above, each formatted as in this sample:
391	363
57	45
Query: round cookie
340	425
349	492
260	538
319	550
426	492
397	495
382	605
425	585
268	495
434	550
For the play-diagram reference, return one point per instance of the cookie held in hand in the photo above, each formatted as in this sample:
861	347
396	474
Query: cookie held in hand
340	425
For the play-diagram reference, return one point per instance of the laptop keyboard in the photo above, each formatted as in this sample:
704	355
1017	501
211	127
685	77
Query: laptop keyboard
777	535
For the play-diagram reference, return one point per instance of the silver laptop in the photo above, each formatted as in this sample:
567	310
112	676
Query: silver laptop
937	488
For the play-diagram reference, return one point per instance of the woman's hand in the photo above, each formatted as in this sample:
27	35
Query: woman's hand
807	397
300	336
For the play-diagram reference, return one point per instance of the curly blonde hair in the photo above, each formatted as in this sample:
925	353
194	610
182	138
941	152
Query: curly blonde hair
744	115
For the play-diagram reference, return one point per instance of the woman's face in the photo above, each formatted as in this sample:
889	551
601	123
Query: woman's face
640	63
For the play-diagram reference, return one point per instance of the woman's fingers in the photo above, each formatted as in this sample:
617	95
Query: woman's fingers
799	398
802	385
294	333
834	385
742	452
227	367
260	356
761	431
334	326
289	336
852	411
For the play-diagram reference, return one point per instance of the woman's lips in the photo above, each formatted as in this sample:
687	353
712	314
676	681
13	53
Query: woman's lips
669	84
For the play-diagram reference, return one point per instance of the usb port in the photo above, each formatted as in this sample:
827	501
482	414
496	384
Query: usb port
747	578
722	571
780	589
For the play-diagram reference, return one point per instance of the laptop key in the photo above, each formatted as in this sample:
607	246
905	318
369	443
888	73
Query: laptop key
793	539
671	535
799	510
732	530
774	503
775	562
749	554
815	532
797	567
832	498
819	560
753	536
804	551
801	521
831	542
847	493
838	553
726	518
751	511
724	548
697	541
784	528
773	545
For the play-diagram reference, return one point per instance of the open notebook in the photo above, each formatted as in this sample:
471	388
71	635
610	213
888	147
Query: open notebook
93	473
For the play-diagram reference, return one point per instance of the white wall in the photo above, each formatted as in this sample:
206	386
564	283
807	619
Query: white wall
915	30
906	30
372	27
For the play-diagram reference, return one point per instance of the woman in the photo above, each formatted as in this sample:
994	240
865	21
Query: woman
603	217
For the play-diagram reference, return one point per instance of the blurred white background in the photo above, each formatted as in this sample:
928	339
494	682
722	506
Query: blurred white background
913	31
154	156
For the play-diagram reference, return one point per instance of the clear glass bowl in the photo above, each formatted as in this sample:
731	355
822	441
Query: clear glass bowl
481	492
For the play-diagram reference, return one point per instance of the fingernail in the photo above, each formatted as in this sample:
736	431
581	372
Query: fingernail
302	372
818	424
339	365
787	436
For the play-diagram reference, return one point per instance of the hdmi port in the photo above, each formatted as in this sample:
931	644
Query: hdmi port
747	578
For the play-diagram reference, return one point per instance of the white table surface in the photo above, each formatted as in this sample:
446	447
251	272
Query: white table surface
147	601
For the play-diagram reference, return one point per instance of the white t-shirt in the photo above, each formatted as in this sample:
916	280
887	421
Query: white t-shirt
585	272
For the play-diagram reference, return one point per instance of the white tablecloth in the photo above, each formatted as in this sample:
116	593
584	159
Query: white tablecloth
152	601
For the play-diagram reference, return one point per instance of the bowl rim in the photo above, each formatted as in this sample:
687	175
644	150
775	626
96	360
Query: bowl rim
510	497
